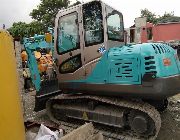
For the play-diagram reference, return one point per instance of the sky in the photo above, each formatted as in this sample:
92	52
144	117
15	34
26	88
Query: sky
18	10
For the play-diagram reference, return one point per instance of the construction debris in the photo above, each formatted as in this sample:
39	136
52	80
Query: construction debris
85	132
45	133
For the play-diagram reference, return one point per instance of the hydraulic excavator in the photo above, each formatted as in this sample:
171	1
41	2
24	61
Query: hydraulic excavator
38	62
104	80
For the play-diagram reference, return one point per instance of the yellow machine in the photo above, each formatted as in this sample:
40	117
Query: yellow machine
11	116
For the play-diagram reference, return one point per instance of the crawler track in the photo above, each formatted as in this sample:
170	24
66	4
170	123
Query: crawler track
107	131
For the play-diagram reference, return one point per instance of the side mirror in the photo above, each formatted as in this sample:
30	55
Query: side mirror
48	37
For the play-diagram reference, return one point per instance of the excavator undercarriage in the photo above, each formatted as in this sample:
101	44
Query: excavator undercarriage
135	117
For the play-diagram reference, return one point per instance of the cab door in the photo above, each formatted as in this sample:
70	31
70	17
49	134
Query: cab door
93	34
68	47
93	30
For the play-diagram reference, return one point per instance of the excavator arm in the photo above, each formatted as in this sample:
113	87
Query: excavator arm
32	64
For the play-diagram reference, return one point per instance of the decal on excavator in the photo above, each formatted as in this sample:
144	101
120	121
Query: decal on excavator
85	116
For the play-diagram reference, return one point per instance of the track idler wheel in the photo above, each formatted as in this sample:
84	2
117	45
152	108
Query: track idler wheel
140	123
162	105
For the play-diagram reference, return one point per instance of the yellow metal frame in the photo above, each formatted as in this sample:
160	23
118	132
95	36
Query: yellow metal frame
11	116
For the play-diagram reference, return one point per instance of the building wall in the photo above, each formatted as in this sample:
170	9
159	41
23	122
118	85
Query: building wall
139	22
166	32
161	32
144	35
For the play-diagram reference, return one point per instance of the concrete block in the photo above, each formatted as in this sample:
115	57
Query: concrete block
85	132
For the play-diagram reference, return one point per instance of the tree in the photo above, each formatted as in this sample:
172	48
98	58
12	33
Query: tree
76	3
36	27
151	17
21	29
168	17
18	30
47	10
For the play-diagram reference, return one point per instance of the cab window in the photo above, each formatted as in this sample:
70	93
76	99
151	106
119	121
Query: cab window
71	65
68	34
93	23
115	25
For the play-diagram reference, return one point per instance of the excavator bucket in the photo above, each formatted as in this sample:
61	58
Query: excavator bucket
48	89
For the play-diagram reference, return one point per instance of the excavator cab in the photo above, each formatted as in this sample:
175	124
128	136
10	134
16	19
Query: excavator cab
82	35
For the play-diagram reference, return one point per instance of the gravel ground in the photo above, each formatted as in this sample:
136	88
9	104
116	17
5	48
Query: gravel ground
170	129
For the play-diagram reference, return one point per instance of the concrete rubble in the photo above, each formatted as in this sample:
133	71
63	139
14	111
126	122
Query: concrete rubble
85	132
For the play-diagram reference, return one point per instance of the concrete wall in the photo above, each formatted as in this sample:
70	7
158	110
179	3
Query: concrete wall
139	23
127	34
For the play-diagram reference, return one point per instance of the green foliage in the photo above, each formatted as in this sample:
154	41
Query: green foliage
168	17
18	29
36	27
47	10
153	18
21	29
76	3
